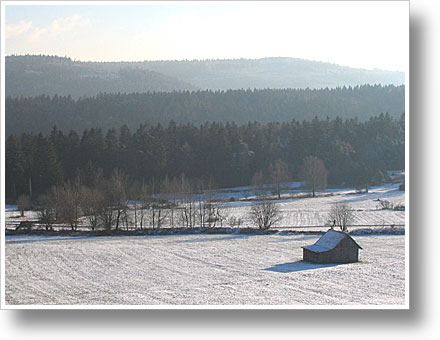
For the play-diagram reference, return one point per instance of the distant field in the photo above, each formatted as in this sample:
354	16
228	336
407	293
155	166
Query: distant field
198	270
305	212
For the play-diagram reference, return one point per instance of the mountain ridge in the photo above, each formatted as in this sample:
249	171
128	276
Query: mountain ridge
33	75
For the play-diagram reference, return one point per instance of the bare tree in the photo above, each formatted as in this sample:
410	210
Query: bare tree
119	183
258	183
141	199
46	210
219	214
314	173
235	222
171	188
188	208
146	200
158	214
66	200
135	196
126	217
341	215
92	202
265	213
208	213
107	210
70	203
23	203
278	174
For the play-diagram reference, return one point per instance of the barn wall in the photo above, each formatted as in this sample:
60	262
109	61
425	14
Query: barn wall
310	256
345	252
342	255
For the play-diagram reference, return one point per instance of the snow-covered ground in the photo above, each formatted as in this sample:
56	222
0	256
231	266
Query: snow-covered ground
314	210
199	270
232	269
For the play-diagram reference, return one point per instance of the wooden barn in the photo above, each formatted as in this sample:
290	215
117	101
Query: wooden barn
333	247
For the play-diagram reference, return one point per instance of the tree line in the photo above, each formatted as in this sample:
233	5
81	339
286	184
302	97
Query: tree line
118	202
40	113
221	154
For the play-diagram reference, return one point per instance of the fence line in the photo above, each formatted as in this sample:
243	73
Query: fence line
14	224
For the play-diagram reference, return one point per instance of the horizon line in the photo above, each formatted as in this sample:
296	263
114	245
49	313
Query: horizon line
199	60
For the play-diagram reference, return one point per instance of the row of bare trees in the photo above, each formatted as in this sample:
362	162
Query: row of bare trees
102	205
117	202
313	173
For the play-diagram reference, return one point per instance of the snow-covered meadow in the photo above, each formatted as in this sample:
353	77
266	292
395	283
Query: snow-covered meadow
199	270
314	211
228	269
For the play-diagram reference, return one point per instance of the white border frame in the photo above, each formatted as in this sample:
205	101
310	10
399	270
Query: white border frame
3	304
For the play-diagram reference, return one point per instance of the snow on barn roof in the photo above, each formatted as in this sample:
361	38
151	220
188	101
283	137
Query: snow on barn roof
327	241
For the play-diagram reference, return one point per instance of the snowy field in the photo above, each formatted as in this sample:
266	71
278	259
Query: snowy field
198	270
313	211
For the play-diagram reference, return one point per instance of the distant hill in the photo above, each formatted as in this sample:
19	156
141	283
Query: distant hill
271	73
35	75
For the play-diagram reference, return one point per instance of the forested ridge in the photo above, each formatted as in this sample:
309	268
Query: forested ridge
105	111
33	75
225	154
147	122
49	75
271	72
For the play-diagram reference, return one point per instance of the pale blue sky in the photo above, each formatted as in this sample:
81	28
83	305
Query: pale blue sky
370	34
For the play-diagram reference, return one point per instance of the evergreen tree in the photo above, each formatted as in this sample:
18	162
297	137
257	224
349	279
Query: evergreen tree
226	154
47	170
14	167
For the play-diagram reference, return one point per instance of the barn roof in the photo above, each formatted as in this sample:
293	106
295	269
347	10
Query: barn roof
328	241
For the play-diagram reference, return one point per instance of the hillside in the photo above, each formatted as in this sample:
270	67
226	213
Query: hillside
271	73
35	75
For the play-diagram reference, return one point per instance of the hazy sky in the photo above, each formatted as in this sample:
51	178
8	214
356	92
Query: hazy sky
366	34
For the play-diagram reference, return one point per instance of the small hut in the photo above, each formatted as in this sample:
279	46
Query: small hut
333	247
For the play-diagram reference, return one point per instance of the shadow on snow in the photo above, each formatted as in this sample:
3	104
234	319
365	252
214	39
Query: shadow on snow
299	266
16	240
217	238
